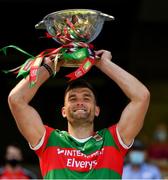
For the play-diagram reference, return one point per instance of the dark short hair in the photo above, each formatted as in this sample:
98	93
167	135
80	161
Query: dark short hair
138	145
80	83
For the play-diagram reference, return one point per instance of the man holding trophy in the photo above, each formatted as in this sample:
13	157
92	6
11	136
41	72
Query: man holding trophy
79	153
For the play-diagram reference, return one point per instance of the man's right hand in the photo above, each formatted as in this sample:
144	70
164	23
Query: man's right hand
50	61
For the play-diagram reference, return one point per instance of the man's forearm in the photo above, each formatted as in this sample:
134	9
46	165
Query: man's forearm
22	91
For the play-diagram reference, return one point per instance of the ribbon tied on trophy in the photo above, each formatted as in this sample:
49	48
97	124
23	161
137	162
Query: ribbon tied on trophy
74	29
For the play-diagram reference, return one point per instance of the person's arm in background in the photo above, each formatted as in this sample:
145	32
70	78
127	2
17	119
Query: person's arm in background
132	117
27	118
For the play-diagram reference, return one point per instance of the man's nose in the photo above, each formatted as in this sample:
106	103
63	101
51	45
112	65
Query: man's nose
79	102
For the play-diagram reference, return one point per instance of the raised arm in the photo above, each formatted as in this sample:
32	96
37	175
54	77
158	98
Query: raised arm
26	117
132	117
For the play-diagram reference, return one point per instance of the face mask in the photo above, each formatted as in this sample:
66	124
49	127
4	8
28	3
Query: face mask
13	162
136	157
161	135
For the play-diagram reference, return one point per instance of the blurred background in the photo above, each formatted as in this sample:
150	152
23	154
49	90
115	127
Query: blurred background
137	39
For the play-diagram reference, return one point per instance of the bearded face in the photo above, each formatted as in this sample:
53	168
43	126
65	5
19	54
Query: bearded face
79	112
80	106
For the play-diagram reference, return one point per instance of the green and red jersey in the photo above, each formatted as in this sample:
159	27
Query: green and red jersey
63	157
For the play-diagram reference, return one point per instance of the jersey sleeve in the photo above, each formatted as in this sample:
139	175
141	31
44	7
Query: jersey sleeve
40	147
117	138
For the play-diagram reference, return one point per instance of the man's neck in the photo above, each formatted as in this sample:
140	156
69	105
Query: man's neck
81	132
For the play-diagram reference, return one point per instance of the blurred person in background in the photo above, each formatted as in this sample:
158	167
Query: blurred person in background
159	146
158	149
13	168
138	167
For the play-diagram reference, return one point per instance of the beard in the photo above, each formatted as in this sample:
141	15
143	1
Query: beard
80	116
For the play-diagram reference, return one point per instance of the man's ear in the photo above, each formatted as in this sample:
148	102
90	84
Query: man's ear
97	111
63	112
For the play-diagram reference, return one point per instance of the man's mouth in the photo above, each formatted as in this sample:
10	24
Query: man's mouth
79	110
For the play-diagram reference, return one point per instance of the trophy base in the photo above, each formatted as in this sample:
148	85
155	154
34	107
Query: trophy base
74	63
71	63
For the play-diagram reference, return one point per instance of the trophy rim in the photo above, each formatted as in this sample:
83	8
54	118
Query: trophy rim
92	11
41	24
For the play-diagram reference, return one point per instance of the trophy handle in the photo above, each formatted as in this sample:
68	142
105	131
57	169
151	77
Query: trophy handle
40	25
107	17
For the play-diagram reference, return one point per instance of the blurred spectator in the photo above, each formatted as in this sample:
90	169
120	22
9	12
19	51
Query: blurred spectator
159	148
138	167
13	168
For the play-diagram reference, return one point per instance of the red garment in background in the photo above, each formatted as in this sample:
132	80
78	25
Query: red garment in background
158	151
18	174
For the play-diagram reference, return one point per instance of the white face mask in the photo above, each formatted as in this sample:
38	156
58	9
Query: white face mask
137	157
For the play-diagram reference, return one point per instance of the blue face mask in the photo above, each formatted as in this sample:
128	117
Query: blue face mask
137	157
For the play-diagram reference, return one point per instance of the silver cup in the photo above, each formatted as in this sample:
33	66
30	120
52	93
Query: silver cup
74	25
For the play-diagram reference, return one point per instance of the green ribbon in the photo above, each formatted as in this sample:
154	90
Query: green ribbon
70	52
4	49
77	55
25	68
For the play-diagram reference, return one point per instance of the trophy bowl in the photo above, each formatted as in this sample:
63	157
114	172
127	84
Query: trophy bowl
74	25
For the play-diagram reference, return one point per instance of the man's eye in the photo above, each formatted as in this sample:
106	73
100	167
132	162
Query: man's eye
72	99
87	99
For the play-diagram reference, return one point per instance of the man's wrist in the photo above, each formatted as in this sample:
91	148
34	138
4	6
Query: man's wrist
48	68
